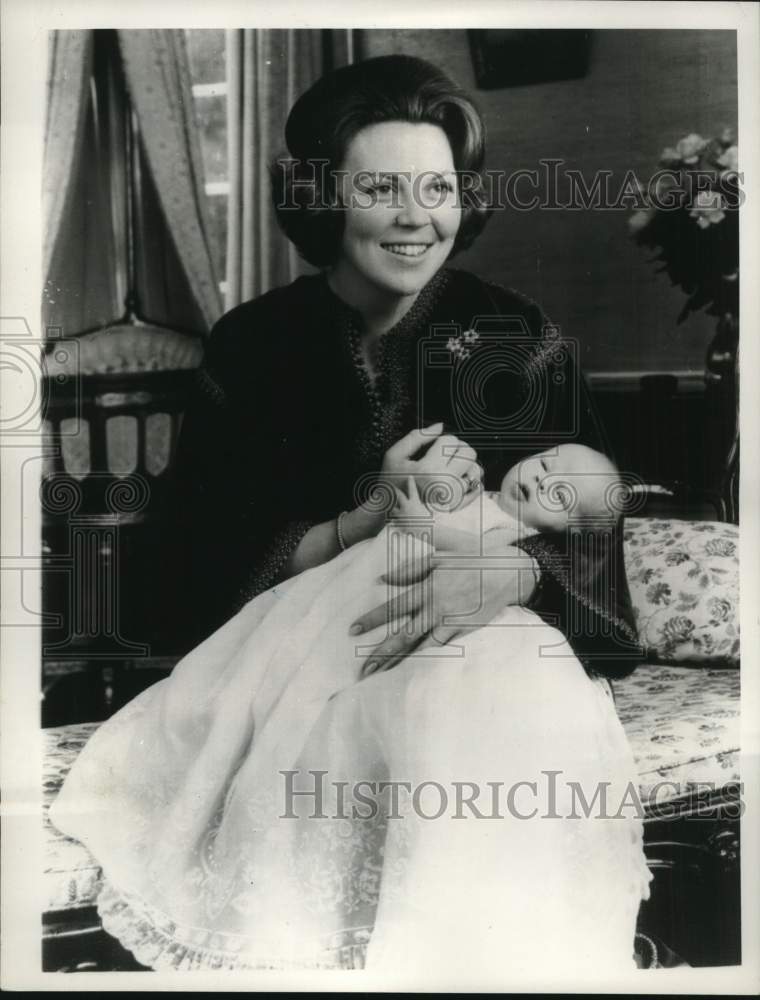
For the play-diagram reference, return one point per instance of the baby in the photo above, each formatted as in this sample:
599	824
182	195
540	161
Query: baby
544	493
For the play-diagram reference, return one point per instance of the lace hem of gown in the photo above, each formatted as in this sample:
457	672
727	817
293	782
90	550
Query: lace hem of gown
160	943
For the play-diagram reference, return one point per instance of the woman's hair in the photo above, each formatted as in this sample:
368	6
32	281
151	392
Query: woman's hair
323	122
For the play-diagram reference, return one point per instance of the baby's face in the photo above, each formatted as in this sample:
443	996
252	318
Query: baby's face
544	491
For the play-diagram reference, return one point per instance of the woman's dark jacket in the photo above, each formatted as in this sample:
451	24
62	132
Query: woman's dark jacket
284	423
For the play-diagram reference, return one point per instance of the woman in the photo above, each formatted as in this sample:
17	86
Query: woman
306	390
222	844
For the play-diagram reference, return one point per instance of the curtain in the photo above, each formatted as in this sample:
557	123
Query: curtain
92	184
157	72
266	71
68	87
83	130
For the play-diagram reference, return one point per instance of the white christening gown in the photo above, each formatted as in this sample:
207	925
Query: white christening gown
439	826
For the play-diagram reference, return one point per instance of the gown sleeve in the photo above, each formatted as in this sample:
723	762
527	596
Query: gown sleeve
237	495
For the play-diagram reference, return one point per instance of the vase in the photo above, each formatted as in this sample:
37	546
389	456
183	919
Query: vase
722	413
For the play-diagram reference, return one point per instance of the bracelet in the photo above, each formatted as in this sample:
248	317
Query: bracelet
339	530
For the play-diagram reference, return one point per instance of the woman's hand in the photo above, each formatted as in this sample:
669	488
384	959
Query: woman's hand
449	466
448	598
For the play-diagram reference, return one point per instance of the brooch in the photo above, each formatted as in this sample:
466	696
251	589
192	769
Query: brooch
460	346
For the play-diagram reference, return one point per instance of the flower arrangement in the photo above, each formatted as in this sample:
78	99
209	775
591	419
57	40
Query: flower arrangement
691	219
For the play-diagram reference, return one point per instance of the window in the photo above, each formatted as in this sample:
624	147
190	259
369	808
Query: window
208	69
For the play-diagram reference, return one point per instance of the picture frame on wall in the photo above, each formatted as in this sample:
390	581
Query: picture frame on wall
517	57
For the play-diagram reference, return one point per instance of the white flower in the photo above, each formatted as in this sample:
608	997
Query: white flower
708	200
669	155
688	149
640	220
708	209
470	336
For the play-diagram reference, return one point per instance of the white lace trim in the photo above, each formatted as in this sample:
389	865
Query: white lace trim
159	942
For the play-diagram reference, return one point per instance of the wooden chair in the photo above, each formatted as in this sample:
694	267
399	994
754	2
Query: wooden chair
114	404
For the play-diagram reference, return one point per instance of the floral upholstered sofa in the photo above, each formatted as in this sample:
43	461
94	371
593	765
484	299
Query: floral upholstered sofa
680	711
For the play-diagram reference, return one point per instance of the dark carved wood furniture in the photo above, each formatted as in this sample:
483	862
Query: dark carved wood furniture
113	413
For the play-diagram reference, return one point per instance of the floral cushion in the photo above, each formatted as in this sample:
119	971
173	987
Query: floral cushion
684	583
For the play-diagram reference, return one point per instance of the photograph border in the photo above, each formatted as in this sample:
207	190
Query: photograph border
24	61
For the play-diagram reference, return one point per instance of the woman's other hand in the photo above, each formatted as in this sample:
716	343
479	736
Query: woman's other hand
409	504
449	596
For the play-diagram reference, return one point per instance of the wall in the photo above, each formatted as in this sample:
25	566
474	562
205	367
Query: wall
644	90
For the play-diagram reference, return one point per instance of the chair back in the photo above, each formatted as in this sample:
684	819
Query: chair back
113	414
